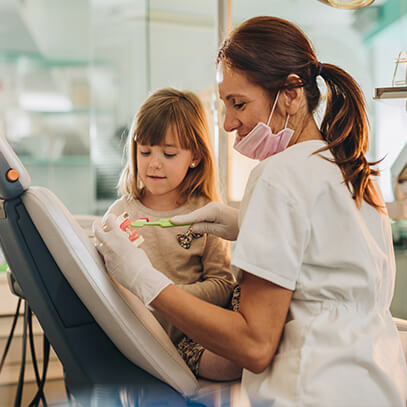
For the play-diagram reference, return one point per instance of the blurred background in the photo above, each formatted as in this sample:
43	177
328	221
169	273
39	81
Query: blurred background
74	72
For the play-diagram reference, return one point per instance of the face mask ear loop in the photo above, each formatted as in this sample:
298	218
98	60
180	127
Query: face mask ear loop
286	121
272	109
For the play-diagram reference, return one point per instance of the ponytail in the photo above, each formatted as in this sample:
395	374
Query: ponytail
345	129
268	50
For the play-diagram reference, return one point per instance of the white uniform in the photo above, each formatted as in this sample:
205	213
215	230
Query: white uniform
302	230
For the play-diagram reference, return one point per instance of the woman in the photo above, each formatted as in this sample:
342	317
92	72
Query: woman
314	243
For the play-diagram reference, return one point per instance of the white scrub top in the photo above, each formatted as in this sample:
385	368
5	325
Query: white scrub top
301	230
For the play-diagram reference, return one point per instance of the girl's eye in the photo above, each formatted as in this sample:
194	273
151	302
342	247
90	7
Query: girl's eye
169	155
145	153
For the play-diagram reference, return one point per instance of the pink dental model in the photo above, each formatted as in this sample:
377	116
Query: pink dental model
126	226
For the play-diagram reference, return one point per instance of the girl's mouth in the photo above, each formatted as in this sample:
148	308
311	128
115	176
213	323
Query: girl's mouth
155	177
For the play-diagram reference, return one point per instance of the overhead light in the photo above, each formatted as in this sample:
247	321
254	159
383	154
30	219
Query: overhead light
347	4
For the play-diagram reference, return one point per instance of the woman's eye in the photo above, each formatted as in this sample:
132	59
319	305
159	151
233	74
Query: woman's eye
239	106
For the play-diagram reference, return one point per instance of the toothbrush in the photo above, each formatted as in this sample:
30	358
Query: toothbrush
163	222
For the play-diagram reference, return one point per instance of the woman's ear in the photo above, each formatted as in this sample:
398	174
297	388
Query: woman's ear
293	96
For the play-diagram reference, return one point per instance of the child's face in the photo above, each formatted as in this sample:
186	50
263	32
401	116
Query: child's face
162	168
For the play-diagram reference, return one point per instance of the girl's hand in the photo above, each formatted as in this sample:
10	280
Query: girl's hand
215	218
128	264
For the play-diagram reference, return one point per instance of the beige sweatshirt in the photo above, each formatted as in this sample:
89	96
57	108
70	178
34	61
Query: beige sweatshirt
202	270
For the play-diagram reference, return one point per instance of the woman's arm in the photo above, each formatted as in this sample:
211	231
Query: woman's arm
249	337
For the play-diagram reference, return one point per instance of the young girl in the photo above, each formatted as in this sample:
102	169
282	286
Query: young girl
171	171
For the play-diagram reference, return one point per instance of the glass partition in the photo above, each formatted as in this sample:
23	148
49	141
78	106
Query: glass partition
70	98
118	82
66	101
144	45
45	115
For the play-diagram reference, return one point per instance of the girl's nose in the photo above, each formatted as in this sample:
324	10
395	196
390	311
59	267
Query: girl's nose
231	122
155	162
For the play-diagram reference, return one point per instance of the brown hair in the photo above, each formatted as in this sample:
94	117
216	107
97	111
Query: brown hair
268	49
185	112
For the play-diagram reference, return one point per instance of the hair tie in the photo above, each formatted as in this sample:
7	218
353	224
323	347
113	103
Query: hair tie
319	68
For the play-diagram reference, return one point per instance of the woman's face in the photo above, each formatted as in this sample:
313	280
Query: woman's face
246	104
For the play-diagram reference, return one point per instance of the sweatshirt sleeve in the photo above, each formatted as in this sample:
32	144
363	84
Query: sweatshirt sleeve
116	208
217	282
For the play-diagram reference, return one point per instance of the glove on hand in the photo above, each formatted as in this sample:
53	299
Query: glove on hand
128	264
215	218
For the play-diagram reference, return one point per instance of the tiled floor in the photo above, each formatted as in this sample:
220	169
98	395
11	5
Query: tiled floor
54	392
54	389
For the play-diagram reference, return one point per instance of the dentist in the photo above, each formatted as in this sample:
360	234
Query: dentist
313	240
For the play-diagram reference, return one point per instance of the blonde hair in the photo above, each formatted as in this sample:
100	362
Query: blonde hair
185	112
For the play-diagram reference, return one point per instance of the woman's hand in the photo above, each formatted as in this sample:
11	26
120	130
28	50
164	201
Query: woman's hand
215	218
128	264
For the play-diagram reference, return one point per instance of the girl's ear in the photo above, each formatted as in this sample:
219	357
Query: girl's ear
196	159
293	96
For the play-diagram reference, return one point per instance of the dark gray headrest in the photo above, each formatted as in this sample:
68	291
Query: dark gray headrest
14	178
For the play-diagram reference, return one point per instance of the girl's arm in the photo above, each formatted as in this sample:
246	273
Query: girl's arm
217	281
249	337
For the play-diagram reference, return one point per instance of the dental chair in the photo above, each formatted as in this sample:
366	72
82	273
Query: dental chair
113	350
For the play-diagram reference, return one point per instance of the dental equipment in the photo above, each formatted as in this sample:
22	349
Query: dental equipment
110	345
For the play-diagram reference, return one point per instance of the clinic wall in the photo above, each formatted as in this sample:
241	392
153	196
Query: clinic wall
183	55
390	115
152	44
390	134
118	75
146	49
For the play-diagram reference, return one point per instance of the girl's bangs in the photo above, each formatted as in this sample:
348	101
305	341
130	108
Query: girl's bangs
151	130
184	133
153	124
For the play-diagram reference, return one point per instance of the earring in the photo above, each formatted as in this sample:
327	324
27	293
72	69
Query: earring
192	164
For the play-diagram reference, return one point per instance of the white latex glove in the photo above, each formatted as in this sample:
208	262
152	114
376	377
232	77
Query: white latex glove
215	218
128	264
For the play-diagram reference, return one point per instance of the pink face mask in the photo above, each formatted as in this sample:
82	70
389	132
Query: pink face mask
261	143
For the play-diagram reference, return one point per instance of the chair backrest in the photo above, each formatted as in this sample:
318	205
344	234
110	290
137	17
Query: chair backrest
15	179
102	334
